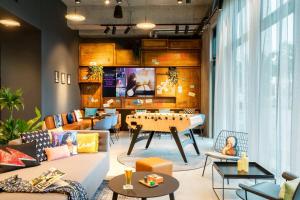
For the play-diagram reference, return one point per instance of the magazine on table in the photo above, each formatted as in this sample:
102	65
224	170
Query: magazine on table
49	179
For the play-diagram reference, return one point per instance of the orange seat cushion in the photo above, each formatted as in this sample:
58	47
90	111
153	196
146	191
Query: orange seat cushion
154	164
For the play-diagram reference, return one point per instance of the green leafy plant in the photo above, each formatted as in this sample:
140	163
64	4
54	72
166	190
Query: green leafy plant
11	100
11	128
95	72
172	76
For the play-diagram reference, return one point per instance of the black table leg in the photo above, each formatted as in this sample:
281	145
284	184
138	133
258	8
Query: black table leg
178	143
149	139
194	142
134	137
172	197
144	198
115	196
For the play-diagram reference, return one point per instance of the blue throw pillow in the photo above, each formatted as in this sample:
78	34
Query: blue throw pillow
90	112
57	121
70	118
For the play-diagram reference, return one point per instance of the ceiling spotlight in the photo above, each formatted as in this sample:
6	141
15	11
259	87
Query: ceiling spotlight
127	30
107	2
179	1
177	29
114	30
119	1
188	1
145	25
9	22
118	12
107	29
77	1
186	29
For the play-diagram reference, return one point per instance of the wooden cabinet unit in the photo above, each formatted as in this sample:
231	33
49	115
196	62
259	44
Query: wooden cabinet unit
184	44
84	78
126	57
101	53
154	44
91	96
170	58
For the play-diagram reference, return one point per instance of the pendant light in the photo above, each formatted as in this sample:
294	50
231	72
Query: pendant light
76	17
146	25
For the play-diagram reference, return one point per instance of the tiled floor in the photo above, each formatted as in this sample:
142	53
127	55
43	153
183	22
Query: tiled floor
192	185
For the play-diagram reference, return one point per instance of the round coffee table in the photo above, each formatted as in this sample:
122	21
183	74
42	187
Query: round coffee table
168	187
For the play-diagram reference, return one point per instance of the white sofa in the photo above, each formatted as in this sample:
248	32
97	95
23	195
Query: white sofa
88	169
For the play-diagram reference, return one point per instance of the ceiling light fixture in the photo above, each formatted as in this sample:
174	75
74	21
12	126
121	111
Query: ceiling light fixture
179	1
188	1
114	30
107	2
146	25
186	29
177	29
9	22
127	30
107	29
75	17
118	13
119	1
77	1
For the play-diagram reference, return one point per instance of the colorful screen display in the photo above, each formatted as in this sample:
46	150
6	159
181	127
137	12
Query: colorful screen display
130	82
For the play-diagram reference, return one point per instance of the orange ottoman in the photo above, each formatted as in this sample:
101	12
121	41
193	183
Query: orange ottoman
154	164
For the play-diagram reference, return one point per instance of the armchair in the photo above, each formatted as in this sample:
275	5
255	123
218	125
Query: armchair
266	190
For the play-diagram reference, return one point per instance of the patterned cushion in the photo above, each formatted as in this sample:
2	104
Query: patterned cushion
78	115
68	138
57	121
42	139
13	157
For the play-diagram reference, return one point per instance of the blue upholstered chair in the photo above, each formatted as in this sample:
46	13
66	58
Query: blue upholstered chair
104	124
114	123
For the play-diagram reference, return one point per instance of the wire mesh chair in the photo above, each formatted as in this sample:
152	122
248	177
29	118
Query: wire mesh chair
242	146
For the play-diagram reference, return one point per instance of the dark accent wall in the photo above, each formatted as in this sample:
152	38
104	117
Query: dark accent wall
59	51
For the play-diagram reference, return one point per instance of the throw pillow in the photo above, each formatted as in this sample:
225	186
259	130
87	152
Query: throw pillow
288	189
57	120
230	147
70	118
56	153
87	143
90	112
68	138
50	131
42	139
13	157
78	115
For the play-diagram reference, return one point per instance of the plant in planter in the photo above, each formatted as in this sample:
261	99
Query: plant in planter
95	71
11	128
172	76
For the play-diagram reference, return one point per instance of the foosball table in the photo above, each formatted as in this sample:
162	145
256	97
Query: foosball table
173	123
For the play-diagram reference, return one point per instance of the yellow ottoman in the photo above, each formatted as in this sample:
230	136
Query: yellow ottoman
154	164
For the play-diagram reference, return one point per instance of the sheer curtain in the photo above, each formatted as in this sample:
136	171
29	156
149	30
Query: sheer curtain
257	86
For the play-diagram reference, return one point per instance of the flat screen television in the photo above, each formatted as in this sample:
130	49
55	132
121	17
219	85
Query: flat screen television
128	82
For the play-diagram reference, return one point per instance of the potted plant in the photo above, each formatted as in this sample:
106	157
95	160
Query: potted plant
95	71
11	128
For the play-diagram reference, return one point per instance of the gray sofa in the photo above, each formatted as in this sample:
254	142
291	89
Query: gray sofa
88	169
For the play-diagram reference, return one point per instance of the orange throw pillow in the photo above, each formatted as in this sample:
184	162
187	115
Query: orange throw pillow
56	153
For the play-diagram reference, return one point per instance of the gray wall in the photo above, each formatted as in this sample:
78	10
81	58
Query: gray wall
59	51
21	68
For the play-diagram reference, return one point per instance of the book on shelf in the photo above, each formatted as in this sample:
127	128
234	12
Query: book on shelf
49	179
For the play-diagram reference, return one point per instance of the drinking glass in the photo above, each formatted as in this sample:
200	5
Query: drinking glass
128	176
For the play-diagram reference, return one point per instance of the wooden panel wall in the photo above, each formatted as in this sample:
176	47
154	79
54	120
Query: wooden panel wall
161	54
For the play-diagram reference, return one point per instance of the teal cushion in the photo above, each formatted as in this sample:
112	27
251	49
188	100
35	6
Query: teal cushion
110	110
89	112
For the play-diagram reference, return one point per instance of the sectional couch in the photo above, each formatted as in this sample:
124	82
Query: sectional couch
88	169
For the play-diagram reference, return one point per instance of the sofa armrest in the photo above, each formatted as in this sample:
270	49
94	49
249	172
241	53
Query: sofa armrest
103	138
